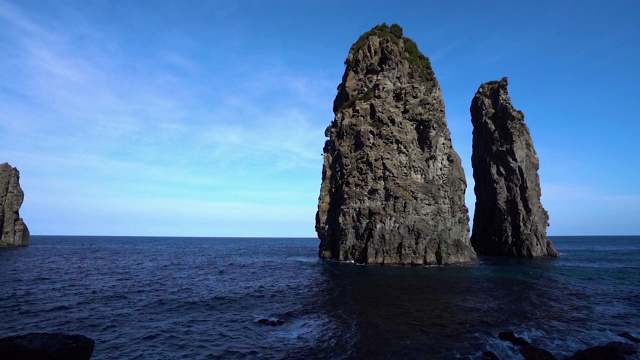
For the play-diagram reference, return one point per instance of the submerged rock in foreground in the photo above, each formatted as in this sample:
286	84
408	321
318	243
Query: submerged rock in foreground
610	351
14	230
392	185
45	346
509	218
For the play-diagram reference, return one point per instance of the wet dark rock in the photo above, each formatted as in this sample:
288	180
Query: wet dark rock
512	338
45	346
530	352
490	355
13	230
629	337
271	321
509	219
392	185
614	350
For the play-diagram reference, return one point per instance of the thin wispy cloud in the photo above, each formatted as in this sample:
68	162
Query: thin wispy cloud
133	135
108	105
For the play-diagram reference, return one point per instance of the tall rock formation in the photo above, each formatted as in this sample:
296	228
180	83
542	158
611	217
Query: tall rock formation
392	186
14	230
509	218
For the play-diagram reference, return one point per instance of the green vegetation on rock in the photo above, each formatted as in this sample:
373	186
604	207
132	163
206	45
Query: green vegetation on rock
396	30
383	30
411	53
418	60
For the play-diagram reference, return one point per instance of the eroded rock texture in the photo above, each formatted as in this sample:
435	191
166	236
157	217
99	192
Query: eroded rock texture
14	230
509	218
392	186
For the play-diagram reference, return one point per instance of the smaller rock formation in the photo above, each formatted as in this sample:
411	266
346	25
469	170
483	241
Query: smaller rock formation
14	230
509	218
44	346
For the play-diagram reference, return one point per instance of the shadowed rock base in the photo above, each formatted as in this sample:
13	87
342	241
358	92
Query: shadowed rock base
44	346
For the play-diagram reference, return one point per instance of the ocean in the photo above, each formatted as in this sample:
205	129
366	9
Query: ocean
204	298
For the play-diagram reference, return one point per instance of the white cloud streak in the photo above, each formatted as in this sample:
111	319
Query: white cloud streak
88	128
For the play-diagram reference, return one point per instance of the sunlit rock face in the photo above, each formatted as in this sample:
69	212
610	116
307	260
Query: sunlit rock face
509	218
14	230
392	185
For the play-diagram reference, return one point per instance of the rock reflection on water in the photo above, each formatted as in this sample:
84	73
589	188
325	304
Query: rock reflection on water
445	312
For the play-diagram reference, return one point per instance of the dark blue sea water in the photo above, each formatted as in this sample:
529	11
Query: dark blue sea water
201	298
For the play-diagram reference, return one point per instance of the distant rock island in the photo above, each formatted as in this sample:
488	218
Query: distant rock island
392	185
509	218
14	230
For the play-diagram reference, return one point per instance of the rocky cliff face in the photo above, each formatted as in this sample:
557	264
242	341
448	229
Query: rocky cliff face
14	230
509	218
392	186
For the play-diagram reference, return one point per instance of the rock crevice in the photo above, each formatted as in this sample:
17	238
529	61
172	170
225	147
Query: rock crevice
392	185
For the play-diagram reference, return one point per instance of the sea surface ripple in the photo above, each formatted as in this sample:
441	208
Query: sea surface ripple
202	298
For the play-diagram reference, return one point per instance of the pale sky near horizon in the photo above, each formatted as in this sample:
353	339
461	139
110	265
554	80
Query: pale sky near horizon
207	118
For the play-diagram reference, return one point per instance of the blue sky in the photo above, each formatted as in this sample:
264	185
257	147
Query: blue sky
206	118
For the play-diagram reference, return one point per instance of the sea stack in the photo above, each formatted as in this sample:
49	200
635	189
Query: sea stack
509	219
14	230
393	187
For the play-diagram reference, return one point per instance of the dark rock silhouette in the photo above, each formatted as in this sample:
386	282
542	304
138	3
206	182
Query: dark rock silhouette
490	355
629	337
530	352
14	231
44	346
614	350
392	185
509	218
512	338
